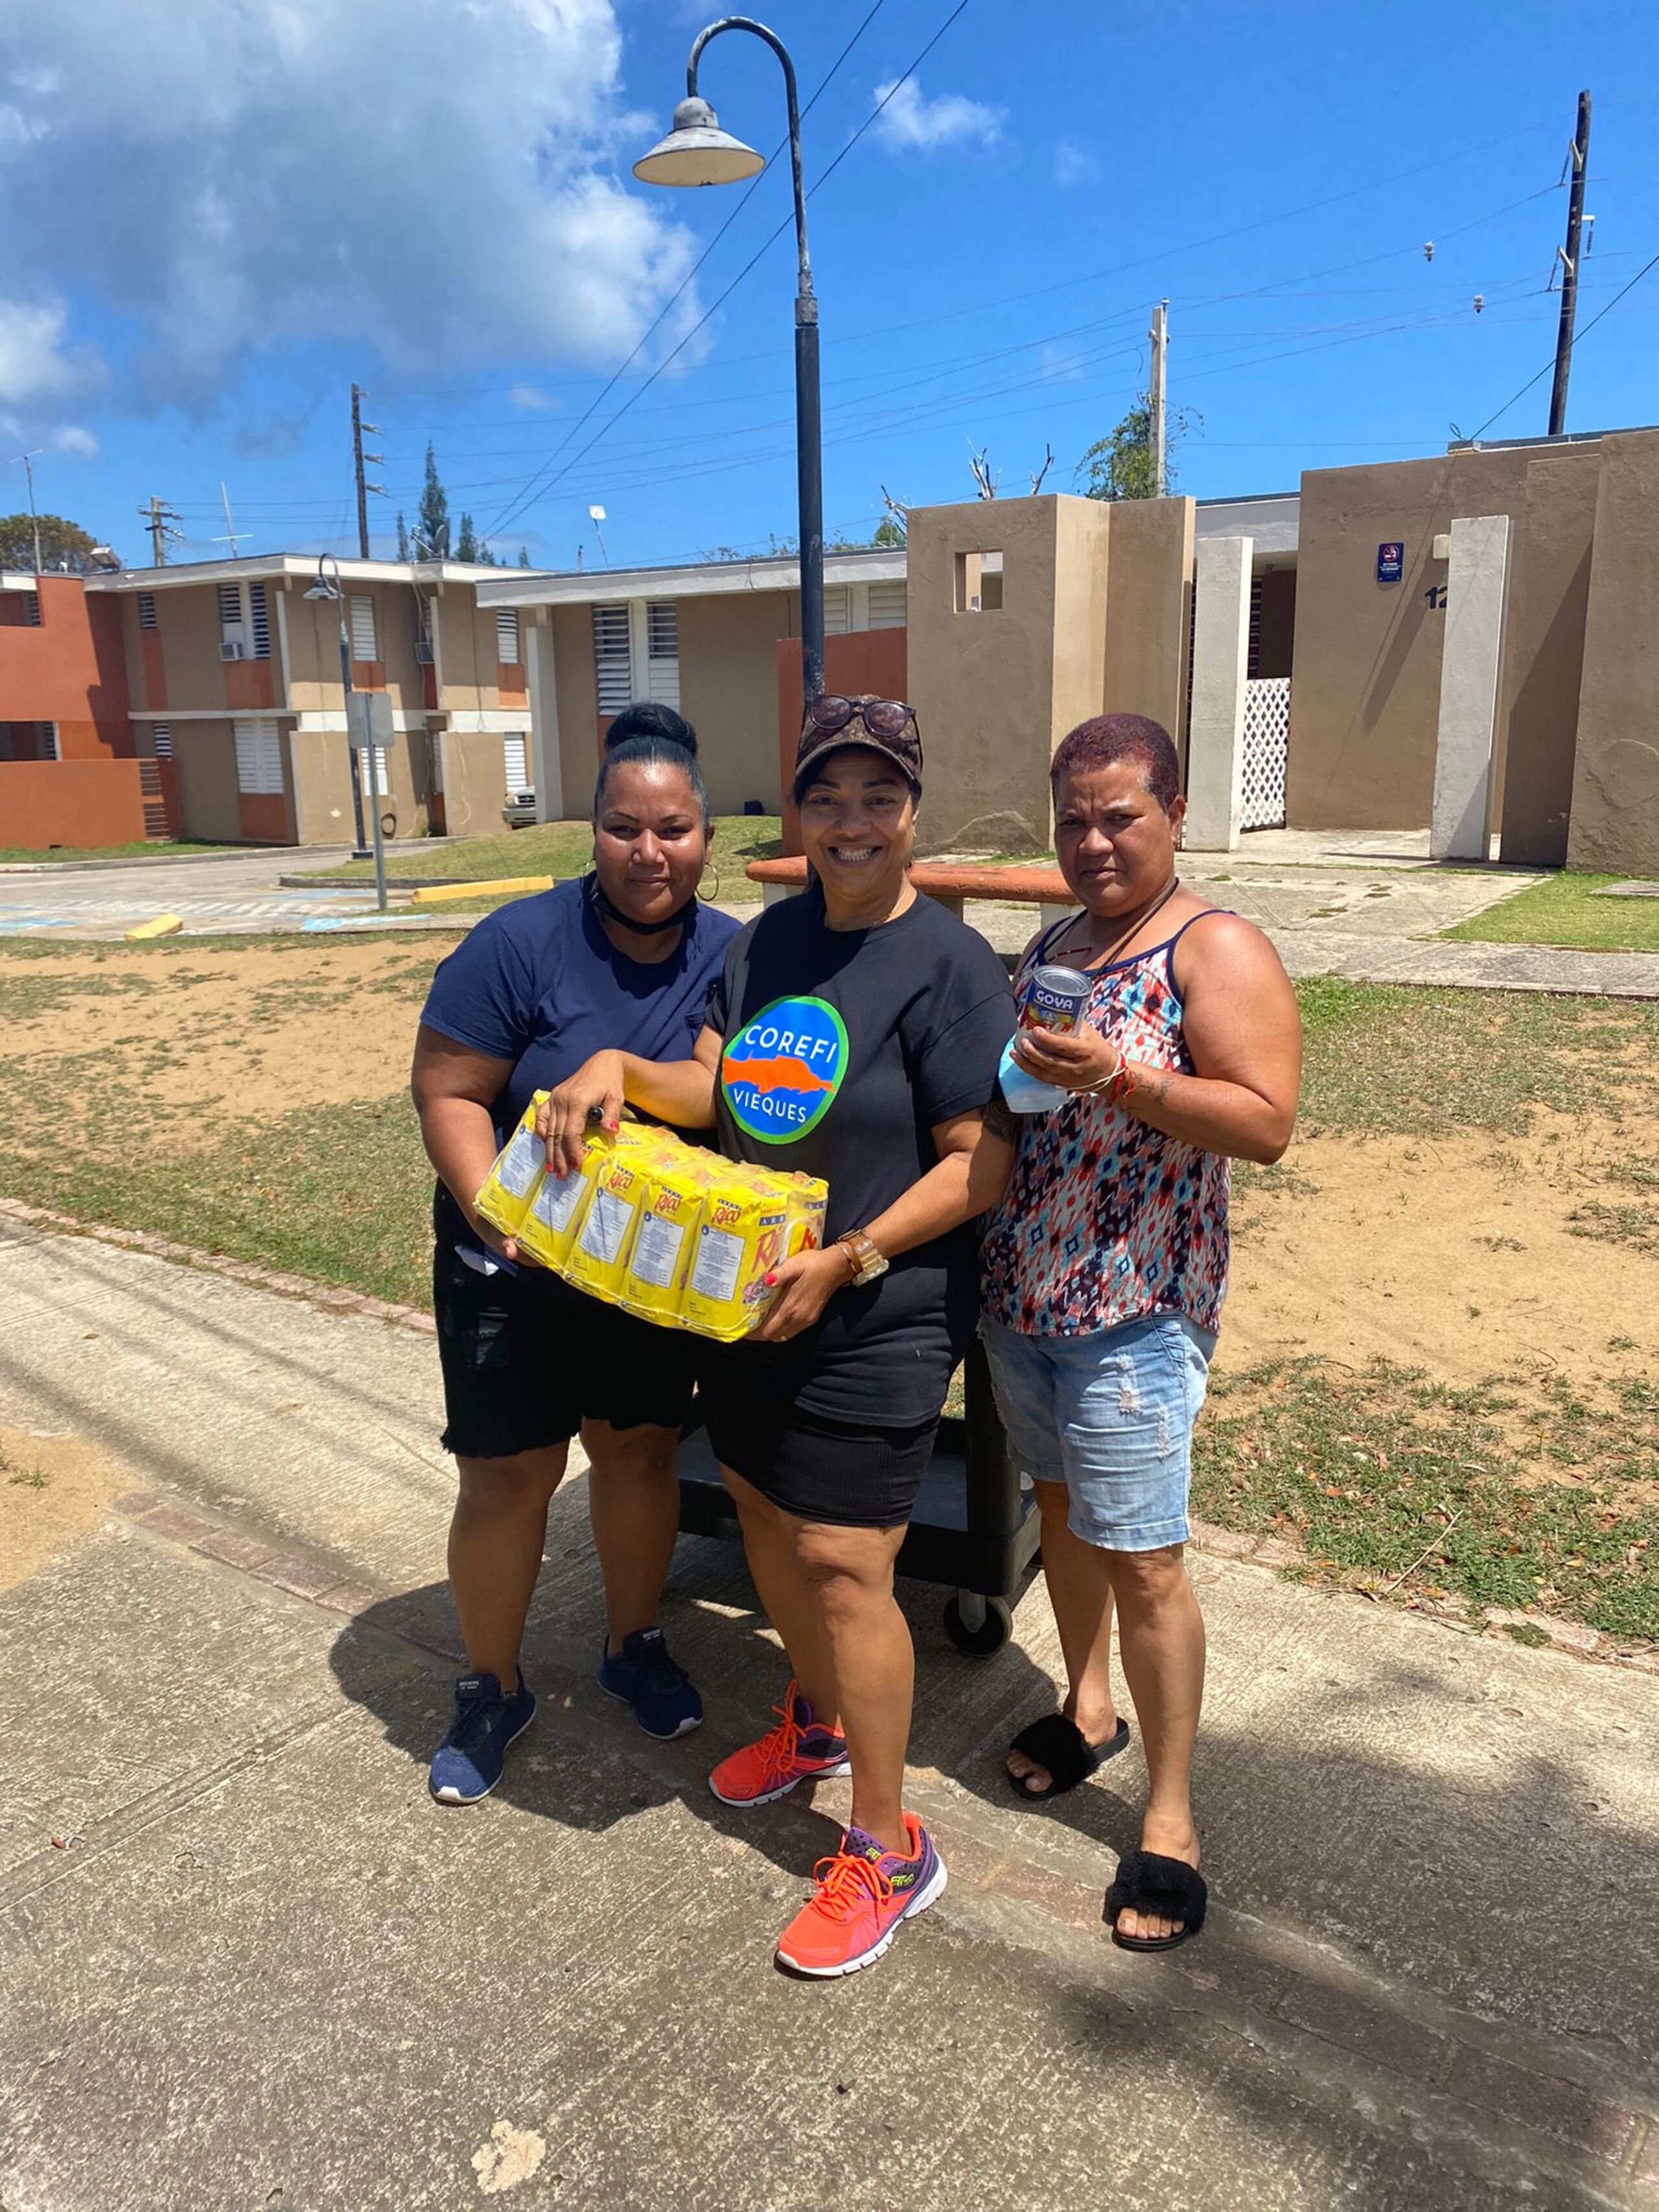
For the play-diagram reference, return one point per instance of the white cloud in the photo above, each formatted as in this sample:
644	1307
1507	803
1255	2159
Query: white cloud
532	398
910	121
438	180
40	375
1074	164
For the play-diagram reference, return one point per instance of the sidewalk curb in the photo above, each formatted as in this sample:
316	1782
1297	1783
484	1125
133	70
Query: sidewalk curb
1271	1553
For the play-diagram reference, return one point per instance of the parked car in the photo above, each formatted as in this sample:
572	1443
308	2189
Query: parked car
519	811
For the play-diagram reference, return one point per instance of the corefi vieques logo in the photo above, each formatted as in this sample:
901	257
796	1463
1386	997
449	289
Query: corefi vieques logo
781	1070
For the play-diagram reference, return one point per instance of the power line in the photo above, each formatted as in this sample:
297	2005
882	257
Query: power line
517	507
1549	366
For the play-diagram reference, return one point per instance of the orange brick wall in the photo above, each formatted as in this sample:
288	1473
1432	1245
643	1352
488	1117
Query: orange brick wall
83	802
71	670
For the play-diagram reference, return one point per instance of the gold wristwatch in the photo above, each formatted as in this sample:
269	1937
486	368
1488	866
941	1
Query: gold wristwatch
862	1256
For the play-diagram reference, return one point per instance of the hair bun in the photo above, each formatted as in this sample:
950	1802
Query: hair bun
646	718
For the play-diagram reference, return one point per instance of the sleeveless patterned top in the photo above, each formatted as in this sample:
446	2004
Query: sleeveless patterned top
1106	1220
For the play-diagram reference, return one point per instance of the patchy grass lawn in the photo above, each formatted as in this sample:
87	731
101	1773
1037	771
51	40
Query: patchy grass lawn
146	849
1564	911
1436	1370
561	849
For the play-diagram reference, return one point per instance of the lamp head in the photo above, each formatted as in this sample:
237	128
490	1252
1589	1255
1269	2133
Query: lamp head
696	151
323	589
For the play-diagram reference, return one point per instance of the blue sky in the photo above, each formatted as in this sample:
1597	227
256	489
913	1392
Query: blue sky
209	239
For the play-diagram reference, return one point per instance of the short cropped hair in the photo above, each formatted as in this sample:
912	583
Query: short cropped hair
1110	738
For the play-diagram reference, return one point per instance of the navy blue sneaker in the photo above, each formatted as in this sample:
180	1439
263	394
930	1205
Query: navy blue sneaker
664	1699
467	1764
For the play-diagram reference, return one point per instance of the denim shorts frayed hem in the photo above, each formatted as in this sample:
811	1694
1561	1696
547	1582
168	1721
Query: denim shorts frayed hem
1111	1414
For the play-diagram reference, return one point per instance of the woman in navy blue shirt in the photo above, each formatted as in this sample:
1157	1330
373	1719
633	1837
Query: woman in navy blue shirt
624	959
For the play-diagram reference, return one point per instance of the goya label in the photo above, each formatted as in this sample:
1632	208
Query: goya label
781	1072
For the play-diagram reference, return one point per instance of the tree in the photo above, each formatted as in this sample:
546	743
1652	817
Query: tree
1120	466
888	532
64	545
433	520
402	537
466	545
524	556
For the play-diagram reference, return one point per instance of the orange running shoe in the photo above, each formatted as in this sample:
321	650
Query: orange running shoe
863	1893
800	1750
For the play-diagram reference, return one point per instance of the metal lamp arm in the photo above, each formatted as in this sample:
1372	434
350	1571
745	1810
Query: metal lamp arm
748	23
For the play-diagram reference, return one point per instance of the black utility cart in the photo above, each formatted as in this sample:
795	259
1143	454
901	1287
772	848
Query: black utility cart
974	1530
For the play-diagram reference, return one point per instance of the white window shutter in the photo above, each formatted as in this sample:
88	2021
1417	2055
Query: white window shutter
146	609
516	763
613	663
507	637
887	606
662	667
230	606
837	612
364	642
259	757
161	738
260	621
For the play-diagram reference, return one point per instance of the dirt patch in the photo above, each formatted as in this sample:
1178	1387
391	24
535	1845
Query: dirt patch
256	1029
53	1490
1457	1255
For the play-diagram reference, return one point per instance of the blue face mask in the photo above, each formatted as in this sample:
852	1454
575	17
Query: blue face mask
1024	1093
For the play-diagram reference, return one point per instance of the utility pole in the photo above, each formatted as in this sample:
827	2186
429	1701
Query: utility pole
359	457
1580	160
158	519
28	460
1159	335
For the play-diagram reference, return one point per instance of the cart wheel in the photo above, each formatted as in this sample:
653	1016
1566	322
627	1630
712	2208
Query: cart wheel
978	1625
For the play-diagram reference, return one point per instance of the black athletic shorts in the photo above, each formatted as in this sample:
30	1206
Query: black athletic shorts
855	1475
526	1360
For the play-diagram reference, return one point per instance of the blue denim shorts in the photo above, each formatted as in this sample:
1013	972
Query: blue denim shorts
1111	1416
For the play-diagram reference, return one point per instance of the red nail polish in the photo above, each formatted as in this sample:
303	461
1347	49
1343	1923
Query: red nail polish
770	1280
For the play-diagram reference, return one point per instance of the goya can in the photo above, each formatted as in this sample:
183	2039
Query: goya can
1054	999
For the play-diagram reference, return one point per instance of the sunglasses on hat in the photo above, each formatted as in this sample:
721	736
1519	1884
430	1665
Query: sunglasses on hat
889	726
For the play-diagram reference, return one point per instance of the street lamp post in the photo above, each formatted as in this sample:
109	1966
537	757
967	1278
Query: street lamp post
325	588
696	151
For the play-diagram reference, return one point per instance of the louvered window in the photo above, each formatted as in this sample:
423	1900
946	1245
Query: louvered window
259	622
31	610
887	606
837	611
516	761
230	606
161	738
507	637
382	772
146	609
613	663
364	646
258	758
662	633
47	736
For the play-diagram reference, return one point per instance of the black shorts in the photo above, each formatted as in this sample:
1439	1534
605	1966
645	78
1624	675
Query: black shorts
849	1475
526	1360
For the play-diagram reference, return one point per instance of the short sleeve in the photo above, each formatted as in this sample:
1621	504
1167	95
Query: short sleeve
970	1019
483	994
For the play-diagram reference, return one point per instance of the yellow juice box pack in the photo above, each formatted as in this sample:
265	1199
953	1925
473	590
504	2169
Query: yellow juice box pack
664	1228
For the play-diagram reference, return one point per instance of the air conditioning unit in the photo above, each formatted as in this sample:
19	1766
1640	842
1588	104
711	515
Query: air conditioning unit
423	654
231	649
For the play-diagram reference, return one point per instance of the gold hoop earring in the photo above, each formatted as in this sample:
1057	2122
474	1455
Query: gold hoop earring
710	867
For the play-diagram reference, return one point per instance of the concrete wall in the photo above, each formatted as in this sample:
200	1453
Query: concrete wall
71	803
475	779
728	690
71	670
1149	610
1615	789
577	689
995	691
1544	658
187	630
1366	679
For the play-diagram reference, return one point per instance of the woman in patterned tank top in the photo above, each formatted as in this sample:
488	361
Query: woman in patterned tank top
1104	1269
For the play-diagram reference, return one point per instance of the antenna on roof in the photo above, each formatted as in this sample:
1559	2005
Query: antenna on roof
233	536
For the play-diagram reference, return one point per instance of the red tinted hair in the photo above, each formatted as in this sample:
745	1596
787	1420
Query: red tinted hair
1110	738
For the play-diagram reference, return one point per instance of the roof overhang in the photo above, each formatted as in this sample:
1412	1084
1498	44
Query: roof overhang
705	579
291	567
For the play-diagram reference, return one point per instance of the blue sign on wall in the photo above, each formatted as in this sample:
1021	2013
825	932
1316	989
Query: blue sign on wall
1390	563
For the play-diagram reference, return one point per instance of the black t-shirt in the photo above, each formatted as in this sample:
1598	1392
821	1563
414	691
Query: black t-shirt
845	1050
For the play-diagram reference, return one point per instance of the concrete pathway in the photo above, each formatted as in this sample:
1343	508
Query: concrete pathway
264	1970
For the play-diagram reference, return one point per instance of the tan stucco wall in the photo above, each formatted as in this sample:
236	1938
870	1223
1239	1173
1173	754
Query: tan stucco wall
1616	787
1365	686
204	755
995	692
475	782
314	636
576	688
729	693
187	622
321	768
466	649
1543	655
1149	609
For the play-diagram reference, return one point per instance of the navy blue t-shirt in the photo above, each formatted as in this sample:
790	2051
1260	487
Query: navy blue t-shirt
540	984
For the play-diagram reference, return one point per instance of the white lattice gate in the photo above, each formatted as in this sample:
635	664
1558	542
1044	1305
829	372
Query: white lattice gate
1266	745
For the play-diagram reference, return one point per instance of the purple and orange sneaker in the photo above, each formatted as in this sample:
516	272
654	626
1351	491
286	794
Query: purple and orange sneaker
863	1893
800	1750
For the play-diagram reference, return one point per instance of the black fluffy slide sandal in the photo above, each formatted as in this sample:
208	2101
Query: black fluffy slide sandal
1148	1883
1061	1745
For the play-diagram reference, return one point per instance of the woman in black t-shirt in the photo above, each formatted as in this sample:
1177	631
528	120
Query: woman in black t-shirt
854	1034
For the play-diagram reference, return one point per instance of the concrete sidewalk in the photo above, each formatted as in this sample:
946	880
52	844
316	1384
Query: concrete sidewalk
270	1973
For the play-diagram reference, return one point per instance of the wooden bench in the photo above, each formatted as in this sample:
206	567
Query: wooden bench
951	885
